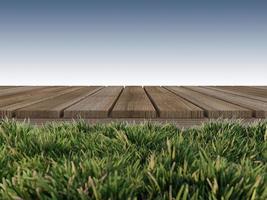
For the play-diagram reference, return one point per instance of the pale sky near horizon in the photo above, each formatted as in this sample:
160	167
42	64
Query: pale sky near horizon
161	42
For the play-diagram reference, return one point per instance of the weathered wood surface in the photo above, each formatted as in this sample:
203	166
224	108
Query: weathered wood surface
97	105
249	92
170	105
213	107
259	108
53	107
8	105
18	90
133	102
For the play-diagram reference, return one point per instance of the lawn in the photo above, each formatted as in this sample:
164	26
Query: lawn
219	160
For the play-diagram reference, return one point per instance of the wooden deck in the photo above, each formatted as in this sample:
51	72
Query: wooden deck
196	103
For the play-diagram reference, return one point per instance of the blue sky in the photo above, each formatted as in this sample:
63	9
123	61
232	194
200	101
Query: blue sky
133	42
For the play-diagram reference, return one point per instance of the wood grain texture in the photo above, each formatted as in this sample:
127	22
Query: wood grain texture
213	107
97	105
18	90
53	107
12	103
170	105
259	108
249	92
57	102
133	102
15	98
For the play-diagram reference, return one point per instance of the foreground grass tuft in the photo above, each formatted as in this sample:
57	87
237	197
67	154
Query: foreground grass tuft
219	160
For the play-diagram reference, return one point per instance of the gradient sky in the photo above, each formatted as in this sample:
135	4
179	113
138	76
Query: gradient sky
133	42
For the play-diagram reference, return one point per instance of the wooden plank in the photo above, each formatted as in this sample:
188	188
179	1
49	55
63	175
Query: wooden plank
97	105
14	102
53	107
213	107
252	93
18	90
170	105
133	102
259	108
15	98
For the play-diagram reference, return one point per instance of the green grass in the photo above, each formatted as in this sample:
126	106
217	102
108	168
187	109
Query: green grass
219	160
